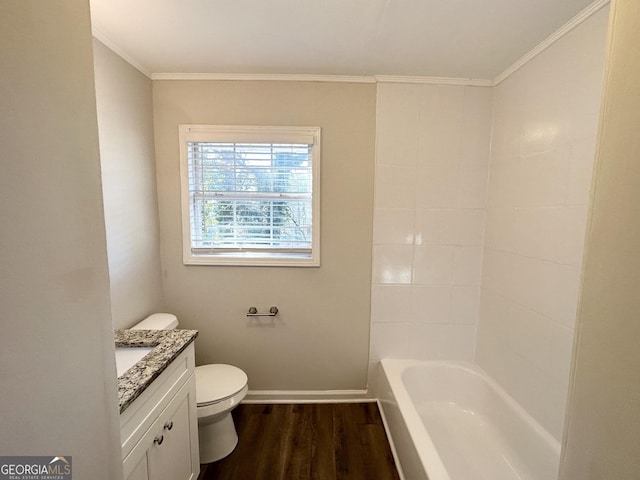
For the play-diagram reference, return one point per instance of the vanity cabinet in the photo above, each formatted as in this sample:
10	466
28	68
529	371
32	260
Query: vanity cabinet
159	430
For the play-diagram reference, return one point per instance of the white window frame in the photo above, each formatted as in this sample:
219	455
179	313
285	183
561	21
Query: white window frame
250	134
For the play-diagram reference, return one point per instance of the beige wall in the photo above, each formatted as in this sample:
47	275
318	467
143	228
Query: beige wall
125	122
545	118
603	428
319	340
56	349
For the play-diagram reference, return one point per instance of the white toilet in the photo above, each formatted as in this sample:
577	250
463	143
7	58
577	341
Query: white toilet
219	389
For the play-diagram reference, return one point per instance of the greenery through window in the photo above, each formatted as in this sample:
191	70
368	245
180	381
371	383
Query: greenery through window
250	199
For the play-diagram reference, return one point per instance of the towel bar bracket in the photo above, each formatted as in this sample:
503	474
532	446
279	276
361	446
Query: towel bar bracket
253	312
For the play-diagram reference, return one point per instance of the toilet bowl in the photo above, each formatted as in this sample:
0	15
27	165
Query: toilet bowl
219	389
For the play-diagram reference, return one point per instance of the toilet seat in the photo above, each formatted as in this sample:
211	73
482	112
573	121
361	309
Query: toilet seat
218	382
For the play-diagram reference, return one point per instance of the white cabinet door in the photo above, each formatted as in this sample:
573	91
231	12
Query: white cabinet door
139	472
169	449
170	455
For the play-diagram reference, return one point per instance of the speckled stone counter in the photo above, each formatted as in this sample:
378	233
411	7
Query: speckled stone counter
168	345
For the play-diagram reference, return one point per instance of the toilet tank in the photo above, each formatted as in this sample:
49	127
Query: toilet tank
157	321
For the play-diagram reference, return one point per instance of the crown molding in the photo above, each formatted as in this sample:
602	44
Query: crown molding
323	78
475	82
551	39
98	35
274	77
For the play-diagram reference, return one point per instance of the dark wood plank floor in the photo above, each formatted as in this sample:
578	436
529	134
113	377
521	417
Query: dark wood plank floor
307	442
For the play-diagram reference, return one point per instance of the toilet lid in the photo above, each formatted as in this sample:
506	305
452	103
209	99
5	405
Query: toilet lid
217	382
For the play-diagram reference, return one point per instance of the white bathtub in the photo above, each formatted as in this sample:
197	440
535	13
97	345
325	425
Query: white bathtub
450	421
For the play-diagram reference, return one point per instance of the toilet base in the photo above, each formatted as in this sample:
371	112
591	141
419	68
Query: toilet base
217	439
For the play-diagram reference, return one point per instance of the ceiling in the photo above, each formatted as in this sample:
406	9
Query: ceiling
433	38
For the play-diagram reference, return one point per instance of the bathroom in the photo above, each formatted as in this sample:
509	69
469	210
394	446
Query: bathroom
375	271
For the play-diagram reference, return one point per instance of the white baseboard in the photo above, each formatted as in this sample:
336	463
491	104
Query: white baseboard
308	396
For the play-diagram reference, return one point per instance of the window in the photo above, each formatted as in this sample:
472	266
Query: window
250	195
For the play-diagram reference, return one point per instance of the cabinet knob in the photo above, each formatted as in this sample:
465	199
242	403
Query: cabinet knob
159	440
168	425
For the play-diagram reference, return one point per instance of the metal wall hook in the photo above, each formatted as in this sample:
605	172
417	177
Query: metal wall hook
253	312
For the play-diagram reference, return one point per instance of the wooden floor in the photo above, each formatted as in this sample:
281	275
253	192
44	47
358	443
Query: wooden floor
306	441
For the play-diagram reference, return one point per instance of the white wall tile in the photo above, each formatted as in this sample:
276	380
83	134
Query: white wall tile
397	126
467	266
433	265
460	342
465	305
394	187
540	134
431	303
559	361
391	304
437	205
552	407
436	227
542	149
581	163
507	120
530	335
493	340
469	227
393	226
505	185
567	290
528	385
441	120
571	230
536	232
437	185
544	178
500	231
390	340
472	186
476	126
496	312
449	227
392	264
442	342
534	284
498	272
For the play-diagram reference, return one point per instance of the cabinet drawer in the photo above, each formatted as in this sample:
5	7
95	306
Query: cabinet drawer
144	410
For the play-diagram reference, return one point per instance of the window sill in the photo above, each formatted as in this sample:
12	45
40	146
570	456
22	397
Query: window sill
254	260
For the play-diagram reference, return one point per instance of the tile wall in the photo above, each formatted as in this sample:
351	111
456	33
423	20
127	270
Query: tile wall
543	144
440	234
432	160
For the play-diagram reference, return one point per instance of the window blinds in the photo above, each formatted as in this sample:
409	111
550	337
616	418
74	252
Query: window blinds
250	197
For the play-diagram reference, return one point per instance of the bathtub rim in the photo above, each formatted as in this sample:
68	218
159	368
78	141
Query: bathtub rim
393	369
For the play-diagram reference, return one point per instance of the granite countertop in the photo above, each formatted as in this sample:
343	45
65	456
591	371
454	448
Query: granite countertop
168	345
